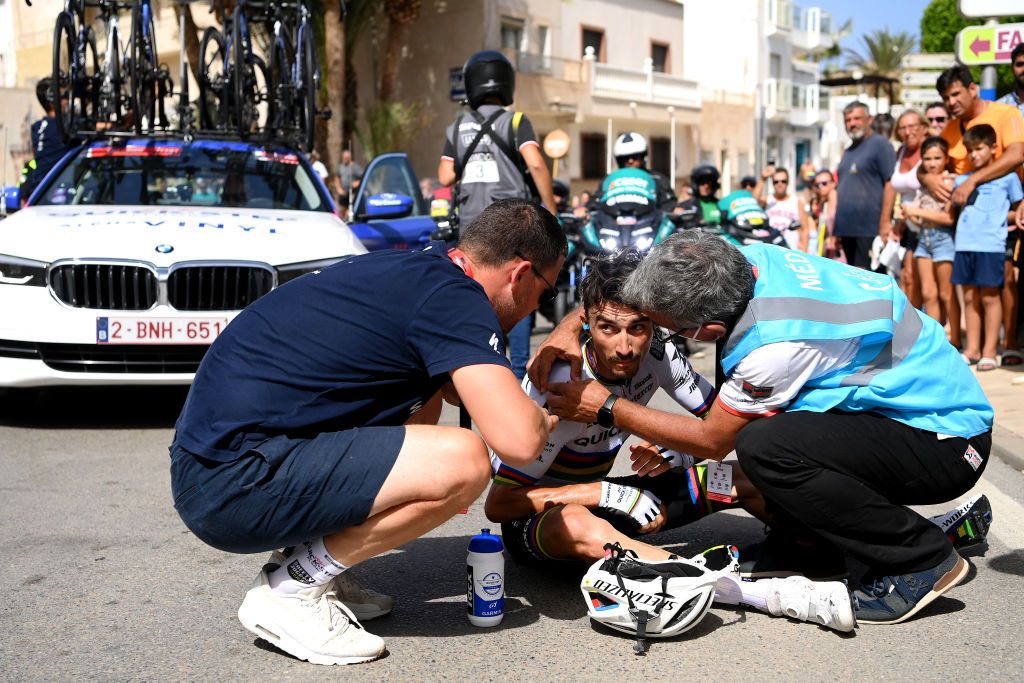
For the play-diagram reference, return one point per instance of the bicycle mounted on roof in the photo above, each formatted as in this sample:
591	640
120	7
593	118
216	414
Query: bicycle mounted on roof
240	94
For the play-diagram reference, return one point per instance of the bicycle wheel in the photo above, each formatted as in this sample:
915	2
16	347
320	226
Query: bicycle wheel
212	95
242	76
113	99
281	89
143	68
259	87
64	75
90	81
310	83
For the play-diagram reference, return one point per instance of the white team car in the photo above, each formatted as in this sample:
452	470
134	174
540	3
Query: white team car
135	254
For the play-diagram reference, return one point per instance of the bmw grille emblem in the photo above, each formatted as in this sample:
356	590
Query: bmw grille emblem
164	248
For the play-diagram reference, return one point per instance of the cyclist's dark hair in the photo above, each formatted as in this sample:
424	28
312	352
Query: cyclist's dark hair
1017	52
981	134
954	73
937	141
514	226
43	92
604	281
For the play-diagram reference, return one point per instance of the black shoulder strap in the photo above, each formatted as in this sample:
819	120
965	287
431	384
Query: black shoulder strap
485	128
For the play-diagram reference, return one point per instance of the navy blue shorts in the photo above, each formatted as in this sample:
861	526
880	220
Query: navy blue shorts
284	491
979	269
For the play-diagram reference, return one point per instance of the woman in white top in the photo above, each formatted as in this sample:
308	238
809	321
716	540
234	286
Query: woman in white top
911	128
785	211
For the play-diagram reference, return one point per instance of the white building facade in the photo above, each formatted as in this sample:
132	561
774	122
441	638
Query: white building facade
762	63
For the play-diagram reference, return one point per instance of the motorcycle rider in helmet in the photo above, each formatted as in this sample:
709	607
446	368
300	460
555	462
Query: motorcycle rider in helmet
702	208
630	150
491	153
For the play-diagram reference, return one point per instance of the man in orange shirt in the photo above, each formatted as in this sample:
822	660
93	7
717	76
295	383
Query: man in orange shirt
959	93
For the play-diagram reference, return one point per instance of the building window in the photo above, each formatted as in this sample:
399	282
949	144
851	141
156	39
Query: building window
593	149
594	37
659	56
544	46
511	34
661	155
774	66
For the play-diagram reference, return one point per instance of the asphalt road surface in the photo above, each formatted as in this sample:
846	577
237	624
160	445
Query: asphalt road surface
101	581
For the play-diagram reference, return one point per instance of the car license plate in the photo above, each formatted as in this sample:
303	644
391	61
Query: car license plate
126	330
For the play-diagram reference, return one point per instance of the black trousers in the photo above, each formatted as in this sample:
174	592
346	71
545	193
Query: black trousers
847	477
857	250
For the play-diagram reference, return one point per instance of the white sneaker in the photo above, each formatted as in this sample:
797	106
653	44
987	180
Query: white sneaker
822	602
312	624
364	602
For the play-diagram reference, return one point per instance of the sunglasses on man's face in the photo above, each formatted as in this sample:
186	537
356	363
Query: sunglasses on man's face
937	119
550	291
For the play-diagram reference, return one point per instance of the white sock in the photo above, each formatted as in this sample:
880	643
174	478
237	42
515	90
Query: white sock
732	590
309	565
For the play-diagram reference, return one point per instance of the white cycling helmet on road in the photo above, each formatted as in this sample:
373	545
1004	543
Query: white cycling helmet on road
629	145
656	599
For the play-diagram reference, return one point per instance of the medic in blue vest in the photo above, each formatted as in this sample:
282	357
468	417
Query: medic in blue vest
843	403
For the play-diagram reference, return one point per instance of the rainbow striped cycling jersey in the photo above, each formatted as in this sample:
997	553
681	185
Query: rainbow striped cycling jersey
580	452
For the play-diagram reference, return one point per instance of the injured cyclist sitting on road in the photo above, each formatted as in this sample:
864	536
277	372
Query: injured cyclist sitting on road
563	506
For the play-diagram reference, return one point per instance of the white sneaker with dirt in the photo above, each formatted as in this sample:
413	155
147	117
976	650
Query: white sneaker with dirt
821	602
364	602
312	624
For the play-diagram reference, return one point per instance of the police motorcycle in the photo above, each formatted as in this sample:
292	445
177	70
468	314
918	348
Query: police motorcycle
626	215
745	222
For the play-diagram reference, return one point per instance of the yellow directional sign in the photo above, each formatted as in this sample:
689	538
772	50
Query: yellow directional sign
978	45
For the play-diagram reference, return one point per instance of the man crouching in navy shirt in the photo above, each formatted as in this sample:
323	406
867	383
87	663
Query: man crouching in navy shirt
312	422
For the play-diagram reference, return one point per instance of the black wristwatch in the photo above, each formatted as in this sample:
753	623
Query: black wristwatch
604	414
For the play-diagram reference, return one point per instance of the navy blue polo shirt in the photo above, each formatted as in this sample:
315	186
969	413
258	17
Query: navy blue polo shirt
863	172
364	342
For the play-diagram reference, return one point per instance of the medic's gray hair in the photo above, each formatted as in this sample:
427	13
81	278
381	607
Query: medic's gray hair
692	277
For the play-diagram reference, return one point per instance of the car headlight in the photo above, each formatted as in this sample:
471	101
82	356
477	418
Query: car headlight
290	271
22	271
609	243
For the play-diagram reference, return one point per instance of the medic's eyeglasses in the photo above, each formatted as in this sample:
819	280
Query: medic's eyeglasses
549	294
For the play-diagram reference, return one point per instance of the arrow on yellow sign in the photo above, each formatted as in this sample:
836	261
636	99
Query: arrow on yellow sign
978	45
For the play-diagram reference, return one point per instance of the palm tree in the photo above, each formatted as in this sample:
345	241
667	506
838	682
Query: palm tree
400	14
359	15
883	53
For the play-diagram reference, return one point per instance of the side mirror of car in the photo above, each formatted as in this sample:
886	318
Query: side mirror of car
11	200
386	205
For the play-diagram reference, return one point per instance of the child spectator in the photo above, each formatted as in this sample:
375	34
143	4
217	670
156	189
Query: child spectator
980	247
935	248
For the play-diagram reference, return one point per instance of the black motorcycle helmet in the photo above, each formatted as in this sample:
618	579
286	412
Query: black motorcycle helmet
487	73
705	173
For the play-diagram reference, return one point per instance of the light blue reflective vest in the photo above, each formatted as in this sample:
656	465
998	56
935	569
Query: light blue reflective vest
905	369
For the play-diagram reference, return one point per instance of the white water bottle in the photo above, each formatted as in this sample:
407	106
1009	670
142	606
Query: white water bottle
485	580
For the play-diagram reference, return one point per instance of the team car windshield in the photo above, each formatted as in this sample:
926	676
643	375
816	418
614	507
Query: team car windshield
203	173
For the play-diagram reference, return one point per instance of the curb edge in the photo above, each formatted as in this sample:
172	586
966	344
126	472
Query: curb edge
1008	447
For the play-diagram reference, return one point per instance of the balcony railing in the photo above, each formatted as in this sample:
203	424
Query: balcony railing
640	85
810	27
800	104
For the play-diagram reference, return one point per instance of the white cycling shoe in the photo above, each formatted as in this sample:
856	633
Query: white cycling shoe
822	602
313	624
364	602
